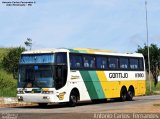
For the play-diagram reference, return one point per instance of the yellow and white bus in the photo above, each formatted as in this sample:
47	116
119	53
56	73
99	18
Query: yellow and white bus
72	75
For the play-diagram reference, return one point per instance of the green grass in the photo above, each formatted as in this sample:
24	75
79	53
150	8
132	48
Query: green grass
7	83
154	90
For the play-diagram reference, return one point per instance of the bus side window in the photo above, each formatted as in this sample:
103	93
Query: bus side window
113	62
86	64
75	61
141	66
133	63
101	62
89	61
72	61
61	58
123	63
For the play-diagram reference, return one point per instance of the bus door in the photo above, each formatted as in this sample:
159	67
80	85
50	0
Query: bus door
60	70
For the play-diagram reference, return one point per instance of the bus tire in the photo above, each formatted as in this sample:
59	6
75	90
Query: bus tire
73	99
42	104
123	94
130	94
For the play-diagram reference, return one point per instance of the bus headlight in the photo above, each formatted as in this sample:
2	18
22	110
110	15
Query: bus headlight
20	98
47	92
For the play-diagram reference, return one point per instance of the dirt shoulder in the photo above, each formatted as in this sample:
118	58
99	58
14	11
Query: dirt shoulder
12	102
151	107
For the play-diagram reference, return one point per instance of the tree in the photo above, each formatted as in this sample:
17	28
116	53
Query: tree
154	59
11	60
28	43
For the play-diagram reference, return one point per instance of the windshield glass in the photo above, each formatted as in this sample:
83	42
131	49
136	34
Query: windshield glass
36	58
36	76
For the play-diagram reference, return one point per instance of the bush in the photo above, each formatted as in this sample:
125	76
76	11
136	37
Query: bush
11	60
8	84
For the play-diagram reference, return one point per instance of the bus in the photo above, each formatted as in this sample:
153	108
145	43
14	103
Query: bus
80	74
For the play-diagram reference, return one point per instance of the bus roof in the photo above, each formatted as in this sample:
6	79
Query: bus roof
84	51
42	51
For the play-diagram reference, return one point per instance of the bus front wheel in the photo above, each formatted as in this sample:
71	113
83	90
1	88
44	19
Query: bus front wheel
73	99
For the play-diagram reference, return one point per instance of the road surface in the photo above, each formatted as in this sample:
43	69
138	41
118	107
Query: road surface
142	104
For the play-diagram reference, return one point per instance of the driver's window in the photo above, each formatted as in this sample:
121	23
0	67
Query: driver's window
61	70
61	58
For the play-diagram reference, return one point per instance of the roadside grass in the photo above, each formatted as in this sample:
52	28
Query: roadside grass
157	105
7	82
154	90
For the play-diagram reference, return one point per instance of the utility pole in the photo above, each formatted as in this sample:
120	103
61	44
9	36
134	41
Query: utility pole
148	46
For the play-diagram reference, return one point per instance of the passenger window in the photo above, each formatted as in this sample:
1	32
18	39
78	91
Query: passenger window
89	61
61	58
123	63
133	63
141	66
101	62
113	62
75	61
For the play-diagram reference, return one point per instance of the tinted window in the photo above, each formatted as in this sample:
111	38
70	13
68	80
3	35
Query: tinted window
101	62
123	63
36	58
113	62
89	61
141	66
75	61
61	58
133	63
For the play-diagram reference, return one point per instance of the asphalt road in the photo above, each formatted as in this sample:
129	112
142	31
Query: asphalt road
139	104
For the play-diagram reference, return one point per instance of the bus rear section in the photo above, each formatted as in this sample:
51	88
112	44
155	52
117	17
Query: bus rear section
106	75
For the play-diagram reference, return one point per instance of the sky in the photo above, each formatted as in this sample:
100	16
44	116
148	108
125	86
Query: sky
117	25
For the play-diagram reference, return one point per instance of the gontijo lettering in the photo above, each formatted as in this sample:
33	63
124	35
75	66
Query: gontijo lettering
118	75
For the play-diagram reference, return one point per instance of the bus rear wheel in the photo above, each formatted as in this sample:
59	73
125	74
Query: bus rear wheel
73	99
123	94
130	95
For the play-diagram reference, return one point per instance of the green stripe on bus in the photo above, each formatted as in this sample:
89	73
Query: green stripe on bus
89	84
97	84
82	51
77	51
74	51
92	82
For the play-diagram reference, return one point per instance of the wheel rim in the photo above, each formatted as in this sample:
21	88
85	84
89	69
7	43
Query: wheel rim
73	99
130	94
123	95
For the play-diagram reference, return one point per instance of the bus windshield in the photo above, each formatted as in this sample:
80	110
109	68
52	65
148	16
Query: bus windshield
42	70
36	58
36	76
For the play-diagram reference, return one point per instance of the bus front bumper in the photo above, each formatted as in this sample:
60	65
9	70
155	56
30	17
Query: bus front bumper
37	98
